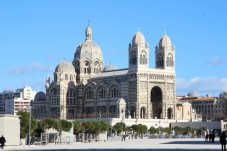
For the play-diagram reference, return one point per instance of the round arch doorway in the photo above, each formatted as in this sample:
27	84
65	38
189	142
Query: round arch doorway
156	102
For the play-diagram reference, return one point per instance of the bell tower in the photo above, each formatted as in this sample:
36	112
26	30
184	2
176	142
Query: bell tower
165	54
138	53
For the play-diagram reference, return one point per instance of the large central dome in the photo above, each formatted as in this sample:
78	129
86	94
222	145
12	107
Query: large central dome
88	49
88	59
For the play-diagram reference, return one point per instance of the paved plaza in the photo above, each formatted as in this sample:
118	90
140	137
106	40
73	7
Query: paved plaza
185	144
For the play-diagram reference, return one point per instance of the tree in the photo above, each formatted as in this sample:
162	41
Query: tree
49	123
65	125
167	130
119	127
153	130
142	129
24	123
77	127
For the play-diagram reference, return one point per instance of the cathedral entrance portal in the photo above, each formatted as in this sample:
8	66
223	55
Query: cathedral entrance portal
156	102
142	113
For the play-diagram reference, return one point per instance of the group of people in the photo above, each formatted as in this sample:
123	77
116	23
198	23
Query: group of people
2	141
210	137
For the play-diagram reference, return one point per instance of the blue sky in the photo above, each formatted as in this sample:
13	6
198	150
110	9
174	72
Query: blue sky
37	35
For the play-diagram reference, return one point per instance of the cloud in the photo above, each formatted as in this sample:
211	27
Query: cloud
209	85
215	61
30	68
51	55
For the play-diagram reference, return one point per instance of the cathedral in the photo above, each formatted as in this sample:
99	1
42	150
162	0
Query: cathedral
87	89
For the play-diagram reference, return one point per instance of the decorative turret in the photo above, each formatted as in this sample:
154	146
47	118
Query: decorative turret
47	82
165	54
138	52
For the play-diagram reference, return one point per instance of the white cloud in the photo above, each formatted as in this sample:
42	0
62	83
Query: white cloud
51	55
215	61
207	85
30	68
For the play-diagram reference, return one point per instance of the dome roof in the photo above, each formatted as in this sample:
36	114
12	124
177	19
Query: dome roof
138	38
193	94
164	40
110	67
64	66
40	96
88	49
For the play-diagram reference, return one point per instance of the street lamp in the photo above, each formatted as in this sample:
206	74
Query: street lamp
60	109
29	130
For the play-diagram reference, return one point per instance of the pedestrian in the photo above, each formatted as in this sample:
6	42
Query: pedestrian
2	141
210	137
206	137
223	141
213	137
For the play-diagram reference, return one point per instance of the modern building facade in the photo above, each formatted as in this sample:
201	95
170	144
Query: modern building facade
13	101
87	89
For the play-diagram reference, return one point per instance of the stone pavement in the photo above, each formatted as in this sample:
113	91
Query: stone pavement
184	144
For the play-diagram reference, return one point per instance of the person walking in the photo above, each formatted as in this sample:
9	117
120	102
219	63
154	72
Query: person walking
206	137
2	141
213	137
223	141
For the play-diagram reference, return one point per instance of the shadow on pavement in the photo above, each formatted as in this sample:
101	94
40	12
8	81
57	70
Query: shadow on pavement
127	150
193	142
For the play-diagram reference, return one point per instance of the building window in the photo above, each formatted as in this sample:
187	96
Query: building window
101	93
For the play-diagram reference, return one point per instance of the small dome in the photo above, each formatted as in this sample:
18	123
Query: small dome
40	96
138	38
110	67
121	101
193	94
164	40
64	66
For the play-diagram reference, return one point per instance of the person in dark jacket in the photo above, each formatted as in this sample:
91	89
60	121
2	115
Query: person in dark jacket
2	141
223	141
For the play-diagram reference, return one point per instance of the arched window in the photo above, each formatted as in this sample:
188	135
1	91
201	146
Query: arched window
114	92
66	77
101	93
169	61
87	67
96	67
71	77
132	59
143	58
88	94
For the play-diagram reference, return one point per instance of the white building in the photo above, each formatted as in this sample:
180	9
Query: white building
13	101
12	106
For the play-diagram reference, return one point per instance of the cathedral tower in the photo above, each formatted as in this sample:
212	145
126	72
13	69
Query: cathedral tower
138	53
165	54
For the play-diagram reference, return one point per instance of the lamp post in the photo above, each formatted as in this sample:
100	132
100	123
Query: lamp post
29	130
60	109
